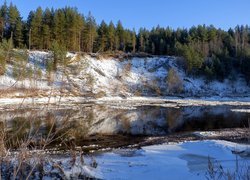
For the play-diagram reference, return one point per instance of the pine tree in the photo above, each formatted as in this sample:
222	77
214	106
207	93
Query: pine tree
73	28
153	48
161	47
111	37
229	50
121	36
18	38
90	33
27	29
141	41
36	29
59	54
46	30
80	21
59	26
3	19
15	26
134	41
102	37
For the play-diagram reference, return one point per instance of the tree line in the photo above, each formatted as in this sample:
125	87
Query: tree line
205	50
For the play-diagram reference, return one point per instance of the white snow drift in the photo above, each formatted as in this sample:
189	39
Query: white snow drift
120	77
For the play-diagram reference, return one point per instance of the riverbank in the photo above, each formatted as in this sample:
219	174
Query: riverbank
192	159
100	143
128	101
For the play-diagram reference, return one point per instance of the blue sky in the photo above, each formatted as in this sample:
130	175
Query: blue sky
148	13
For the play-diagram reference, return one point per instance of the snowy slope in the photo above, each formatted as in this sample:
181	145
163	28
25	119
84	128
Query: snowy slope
116	77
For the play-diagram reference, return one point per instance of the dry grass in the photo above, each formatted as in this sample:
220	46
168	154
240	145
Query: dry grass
216	171
24	150
100	94
21	92
174	82
125	121
138	92
28	156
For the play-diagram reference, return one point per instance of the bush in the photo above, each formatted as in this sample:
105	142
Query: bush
59	55
138	92
174	82
100	94
20	69
2	63
5	54
49	70
216	171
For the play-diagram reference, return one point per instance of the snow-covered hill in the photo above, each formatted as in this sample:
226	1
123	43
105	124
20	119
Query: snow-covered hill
126	77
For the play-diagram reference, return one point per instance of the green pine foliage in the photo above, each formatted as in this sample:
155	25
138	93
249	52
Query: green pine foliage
59	55
5	54
206	50
20	69
36	29
103	37
90	34
2	60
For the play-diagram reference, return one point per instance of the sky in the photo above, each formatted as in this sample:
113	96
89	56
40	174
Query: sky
149	13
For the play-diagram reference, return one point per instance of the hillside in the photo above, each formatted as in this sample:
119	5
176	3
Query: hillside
100	77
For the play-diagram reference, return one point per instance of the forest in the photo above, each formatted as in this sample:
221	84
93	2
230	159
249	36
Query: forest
202	50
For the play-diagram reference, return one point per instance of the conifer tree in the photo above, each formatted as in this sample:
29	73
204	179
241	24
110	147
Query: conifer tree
133	41
205	50
36	29
73	27
121	36
18	38
59	54
90	33
46	29
102	37
59	26
3	19
141	41
111	37
15	26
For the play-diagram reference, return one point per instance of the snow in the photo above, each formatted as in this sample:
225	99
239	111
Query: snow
128	103
175	101
186	160
117	77
169	161
241	110
119	80
42	100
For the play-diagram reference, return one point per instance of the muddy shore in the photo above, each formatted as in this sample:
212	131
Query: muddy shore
100	143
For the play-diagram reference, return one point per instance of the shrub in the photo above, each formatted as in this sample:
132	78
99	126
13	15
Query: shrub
49	70
138	92
217	171
174	82
5	54
20	69
2	63
59	55
100	94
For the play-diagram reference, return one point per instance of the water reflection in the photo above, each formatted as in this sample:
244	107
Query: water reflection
83	122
